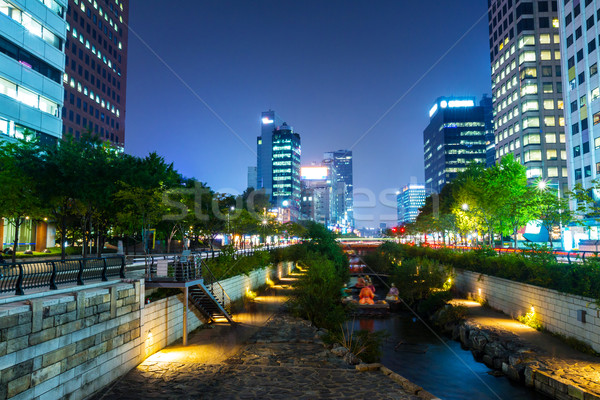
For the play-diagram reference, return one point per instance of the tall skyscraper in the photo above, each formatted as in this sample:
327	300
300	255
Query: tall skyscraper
252	177
526	86
316	194
409	200
454	138
264	146
580	56
32	62
96	69
341	161
488	115
286	170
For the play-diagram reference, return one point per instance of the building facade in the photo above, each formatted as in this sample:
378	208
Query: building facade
341	164
252	177
286	170
316	194
526	86
410	199
580	31
264	150
32	62
490	144
454	138
95	76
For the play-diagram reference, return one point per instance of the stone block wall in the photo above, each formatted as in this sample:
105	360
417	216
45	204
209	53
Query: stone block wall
558	312
236	286
72	345
162	324
59	345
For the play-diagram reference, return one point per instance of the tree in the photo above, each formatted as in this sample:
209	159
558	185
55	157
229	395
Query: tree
552	210
20	198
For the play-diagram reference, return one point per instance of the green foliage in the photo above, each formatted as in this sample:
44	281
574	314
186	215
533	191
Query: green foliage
230	264
530	319
362	343
433	302
317	293
538	269
418	278
451	315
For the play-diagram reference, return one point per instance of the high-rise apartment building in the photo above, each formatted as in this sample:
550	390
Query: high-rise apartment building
32	38
454	138
580	31
32	62
252	177
286	170
264	150
490	145
96	69
526	85
410	199
341	163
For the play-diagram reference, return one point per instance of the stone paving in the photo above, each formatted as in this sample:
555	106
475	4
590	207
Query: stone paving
285	359
555	363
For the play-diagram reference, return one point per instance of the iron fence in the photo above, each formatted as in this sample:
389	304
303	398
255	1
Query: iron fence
20	276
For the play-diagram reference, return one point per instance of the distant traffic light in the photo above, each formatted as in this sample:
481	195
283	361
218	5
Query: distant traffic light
402	230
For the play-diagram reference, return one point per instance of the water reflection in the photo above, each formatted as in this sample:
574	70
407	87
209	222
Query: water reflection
441	368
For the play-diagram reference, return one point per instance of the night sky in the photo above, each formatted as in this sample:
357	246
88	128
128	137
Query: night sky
331	69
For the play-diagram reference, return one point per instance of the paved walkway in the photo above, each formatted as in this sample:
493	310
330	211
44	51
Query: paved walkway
552	355
282	359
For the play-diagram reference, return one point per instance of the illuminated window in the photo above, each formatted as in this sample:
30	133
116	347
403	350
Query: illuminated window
557	54
545	55
597	118
530	105
555	23
532	138
529	72
545	38
556	38
526	40
526	56
551	154
561	138
550	121
595	93
529	88
531	122
552	172
550	137
549	104
534	172
597	143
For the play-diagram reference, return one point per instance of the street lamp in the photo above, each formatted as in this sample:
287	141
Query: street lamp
264	224
231	209
465	206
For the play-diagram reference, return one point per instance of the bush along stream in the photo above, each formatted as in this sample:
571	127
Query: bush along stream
425	285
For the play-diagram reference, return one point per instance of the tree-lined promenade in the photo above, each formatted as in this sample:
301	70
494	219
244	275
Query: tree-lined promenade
96	194
490	203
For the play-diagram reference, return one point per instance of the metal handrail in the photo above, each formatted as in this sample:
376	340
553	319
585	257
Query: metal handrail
212	280
20	276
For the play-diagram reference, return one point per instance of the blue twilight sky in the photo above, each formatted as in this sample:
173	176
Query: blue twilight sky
331	69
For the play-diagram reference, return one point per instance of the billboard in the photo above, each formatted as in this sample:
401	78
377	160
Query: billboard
314	173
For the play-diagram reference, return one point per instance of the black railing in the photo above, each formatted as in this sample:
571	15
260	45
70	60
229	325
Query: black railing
22	276
212	284
571	256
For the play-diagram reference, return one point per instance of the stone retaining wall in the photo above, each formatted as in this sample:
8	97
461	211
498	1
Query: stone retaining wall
74	344
237	286
558	312
69	344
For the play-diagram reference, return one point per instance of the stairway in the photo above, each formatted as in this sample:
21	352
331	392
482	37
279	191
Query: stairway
206	302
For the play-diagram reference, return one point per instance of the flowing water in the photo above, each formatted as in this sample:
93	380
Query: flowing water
441	367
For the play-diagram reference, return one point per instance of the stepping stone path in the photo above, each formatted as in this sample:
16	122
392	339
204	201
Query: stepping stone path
283	360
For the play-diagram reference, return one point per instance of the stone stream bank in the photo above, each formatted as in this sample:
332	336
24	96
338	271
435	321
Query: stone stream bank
531	365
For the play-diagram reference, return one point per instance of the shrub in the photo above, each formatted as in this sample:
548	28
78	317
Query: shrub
362	343
317	293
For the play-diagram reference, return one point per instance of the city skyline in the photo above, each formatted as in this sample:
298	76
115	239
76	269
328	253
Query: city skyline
333	103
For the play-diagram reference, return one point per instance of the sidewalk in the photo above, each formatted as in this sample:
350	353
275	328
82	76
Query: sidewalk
270	355
550	364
